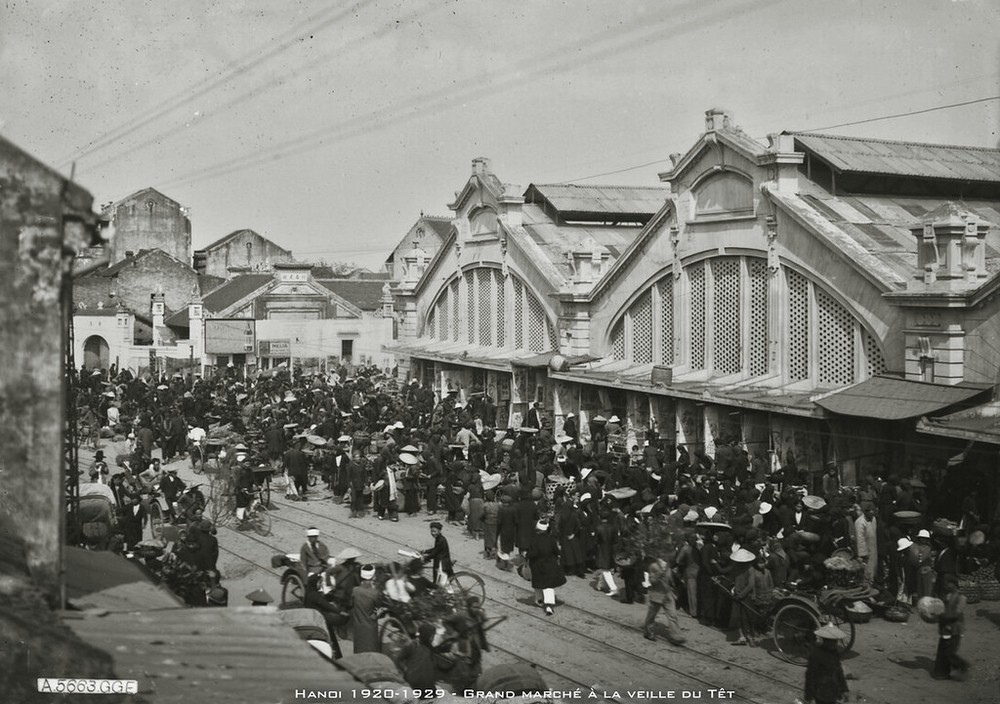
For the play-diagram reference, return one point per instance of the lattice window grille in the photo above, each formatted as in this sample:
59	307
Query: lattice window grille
470	307
642	329
727	326
666	290
552	342
455	331
442	316
836	341
536	324
696	280
618	340
758	332
874	356
430	329
798	326
484	305
517	308
501	309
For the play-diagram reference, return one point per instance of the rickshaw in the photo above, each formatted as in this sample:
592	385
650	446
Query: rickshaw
792	617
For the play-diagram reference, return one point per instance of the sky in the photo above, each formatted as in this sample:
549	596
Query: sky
329	127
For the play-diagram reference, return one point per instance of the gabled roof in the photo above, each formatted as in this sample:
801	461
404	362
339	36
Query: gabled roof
234	290
598	203
439	223
365	294
113	270
137	194
910	159
235	233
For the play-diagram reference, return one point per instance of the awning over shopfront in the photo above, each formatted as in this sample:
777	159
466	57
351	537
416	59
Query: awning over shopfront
463	354
242	654
621	375
981	424
97	579
543	359
890	398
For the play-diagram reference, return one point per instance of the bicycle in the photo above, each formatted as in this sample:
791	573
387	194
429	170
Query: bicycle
257	516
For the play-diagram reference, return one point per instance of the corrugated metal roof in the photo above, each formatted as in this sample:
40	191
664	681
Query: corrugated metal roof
980	423
881	224
904	158
556	240
104	580
599	200
243	654
888	398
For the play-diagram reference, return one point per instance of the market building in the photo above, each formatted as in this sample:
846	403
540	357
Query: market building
812	298
287	317
240	252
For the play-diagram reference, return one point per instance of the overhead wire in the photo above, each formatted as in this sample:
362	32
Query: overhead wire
544	65
908	113
255	91
242	66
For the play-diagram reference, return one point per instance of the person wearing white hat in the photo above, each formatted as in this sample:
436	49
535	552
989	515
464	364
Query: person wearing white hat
570	427
825	681
409	480
547	574
314	554
925	564
364	613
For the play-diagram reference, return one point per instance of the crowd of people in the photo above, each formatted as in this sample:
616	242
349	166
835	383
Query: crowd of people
558	503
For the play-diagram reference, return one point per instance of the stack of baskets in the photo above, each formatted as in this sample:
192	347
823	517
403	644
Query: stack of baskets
989	586
968	585
844	571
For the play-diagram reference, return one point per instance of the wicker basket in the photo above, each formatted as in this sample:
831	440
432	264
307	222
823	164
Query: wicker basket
969	588
858	617
897	614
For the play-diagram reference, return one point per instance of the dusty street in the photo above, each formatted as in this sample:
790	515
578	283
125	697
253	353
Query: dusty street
595	641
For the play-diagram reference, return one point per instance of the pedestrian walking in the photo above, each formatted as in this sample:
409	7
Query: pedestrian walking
546	571
440	555
661	596
364	613
948	664
825	681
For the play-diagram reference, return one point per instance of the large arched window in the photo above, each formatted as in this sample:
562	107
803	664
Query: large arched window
482	307
726	326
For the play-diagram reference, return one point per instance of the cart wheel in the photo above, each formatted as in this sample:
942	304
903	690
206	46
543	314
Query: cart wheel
261	520
222	502
793	633
839	619
155	520
293	591
265	491
469	585
393	636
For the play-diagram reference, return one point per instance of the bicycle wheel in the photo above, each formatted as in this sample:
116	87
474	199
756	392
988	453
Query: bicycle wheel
839	619
794	635
155	519
393	636
198	460
469	585
221	502
265	491
261	520
293	591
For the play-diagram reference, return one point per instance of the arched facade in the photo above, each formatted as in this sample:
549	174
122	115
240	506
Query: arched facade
483	307
96	353
732	316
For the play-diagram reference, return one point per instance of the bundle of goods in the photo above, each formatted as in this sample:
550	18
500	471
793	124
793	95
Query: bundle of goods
930	608
844	571
942	526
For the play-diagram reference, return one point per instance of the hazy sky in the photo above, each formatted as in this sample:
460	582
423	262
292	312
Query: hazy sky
329	126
